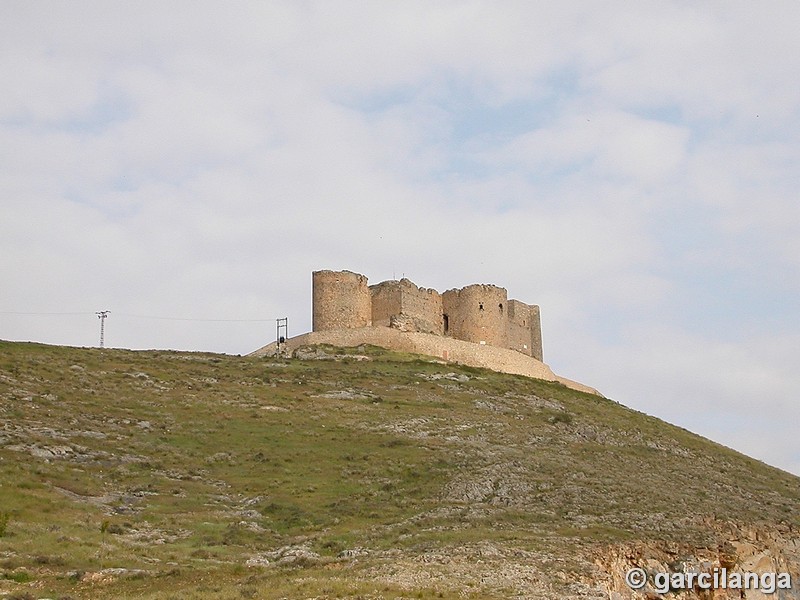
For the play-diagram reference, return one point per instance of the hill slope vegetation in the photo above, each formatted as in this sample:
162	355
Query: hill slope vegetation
352	473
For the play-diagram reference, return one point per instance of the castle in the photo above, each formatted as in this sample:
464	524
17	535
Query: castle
481	314
476	325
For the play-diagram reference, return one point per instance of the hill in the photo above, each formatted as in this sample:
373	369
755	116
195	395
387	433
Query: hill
355	473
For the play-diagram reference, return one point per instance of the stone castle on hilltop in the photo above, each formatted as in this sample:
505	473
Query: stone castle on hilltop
476	325
481	314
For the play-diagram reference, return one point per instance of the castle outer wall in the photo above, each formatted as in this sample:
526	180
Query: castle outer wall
476	325
481	314
439	347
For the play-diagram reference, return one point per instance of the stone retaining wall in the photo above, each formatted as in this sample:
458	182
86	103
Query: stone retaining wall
446	349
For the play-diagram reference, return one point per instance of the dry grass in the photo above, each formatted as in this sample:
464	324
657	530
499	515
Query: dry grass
182	467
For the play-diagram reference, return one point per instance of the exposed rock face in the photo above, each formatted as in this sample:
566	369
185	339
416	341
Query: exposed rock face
738	552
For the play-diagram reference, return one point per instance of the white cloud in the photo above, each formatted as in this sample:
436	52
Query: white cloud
740	393
600	145
712	62
630	168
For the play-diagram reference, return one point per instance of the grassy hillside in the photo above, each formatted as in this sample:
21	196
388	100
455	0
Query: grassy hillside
171	475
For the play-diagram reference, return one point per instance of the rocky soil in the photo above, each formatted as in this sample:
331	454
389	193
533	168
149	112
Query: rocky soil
359	473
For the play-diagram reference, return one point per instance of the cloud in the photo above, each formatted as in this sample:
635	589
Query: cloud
630	169
712	63
740	393
600	146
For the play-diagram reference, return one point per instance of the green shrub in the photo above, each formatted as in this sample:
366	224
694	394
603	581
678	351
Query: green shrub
5	518
18	576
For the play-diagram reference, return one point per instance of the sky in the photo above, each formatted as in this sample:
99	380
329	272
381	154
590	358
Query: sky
633	168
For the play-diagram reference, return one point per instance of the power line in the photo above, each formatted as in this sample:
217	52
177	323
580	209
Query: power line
43	314
132	316
192	319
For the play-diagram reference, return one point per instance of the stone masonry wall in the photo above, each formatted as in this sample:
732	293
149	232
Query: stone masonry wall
520	336
536	333
480	314
340	300
420	309
476	325
386	302
477	313
443	348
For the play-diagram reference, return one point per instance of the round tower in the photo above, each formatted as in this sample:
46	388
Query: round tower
477	313
340	300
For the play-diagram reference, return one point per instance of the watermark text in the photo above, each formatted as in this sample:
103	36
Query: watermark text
766	583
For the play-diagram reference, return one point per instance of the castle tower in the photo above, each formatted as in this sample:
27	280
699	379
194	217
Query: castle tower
476	313
340	300
524	328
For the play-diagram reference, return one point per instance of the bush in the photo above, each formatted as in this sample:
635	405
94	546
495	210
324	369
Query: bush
18	576
5	518
560	417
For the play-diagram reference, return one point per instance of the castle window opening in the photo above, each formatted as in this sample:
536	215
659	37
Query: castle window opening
446	321
501	308
480	305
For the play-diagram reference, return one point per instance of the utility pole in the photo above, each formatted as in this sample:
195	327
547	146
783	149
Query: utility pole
282	325
102	316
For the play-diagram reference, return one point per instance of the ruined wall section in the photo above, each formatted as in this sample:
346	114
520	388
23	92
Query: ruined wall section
340	300
524	328
403	305
386	302
476	313
520	337
536	333
423	305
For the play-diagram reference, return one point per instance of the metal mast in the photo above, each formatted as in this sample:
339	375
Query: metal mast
282	325
102	316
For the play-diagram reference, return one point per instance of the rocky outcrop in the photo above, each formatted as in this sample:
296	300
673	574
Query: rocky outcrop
743	562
